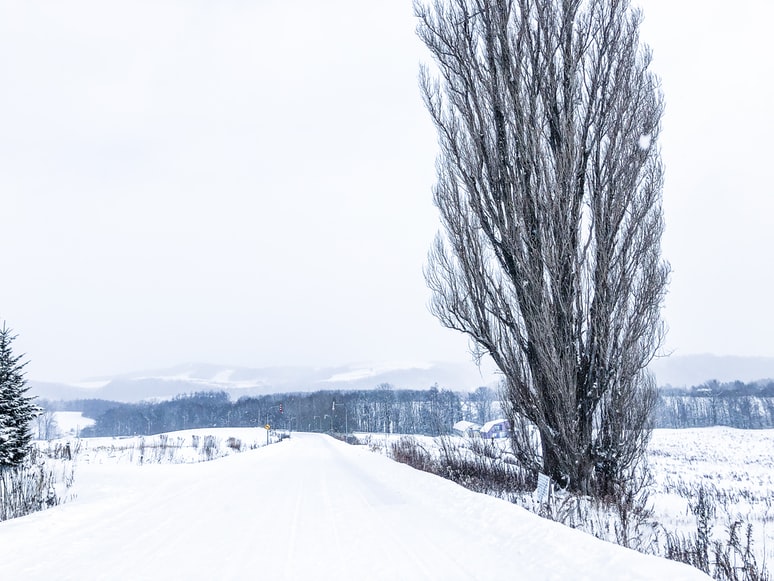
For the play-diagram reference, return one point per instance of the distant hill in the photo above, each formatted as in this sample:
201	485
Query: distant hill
242	381
674	371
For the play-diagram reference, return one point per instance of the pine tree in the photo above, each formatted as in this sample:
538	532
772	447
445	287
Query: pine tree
16	408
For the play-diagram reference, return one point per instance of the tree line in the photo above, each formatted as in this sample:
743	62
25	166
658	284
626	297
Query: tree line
385	409
735	404
431	411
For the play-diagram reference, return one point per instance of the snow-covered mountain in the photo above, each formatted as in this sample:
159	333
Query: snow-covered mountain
676	371
239	381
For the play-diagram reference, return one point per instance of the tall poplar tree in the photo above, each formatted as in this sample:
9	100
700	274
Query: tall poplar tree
549	191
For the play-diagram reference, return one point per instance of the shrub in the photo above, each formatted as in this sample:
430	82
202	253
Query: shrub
729	560
40	481
408	451
479	465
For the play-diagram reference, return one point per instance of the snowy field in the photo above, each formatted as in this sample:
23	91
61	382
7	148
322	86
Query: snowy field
71	423
183	447
309	507
734	467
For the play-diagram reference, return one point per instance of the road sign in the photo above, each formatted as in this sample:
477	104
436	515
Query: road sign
267	426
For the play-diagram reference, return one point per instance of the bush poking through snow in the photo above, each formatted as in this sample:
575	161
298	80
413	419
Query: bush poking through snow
729	560
409	451
209	447
42	480
350	439
478	464
736	562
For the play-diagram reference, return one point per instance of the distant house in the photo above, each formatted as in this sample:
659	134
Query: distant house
495	429
464	428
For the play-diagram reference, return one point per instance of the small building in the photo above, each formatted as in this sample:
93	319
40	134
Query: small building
495	429
465	428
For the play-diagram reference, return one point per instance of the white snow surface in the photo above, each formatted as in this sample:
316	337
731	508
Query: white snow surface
310	507
71	423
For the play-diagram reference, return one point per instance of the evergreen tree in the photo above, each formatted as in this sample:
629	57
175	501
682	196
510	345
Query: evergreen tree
16	408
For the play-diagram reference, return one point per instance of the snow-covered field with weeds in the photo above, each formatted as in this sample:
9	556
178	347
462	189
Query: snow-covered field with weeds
732	471
48	476
709	497
182	447
733	468
309	507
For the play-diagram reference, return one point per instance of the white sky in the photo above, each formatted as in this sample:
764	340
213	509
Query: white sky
716	61
248	183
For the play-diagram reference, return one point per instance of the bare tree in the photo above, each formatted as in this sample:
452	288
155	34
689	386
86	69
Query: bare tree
549	191
47	428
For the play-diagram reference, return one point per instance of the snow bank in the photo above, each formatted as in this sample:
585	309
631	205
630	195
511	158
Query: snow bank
307	508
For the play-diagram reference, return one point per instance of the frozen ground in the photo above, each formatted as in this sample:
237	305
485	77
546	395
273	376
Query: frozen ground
307	508
734	467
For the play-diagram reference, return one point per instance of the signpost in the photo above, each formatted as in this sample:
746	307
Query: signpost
268	427
543	488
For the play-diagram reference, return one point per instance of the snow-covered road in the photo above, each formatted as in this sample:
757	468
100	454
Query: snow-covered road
308	508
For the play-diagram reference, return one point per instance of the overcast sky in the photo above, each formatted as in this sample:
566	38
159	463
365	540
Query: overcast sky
248	183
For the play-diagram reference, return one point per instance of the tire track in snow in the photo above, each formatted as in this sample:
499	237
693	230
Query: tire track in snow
293	531
332	515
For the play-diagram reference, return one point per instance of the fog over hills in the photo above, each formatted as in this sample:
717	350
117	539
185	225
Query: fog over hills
674	371
242	381
690	370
